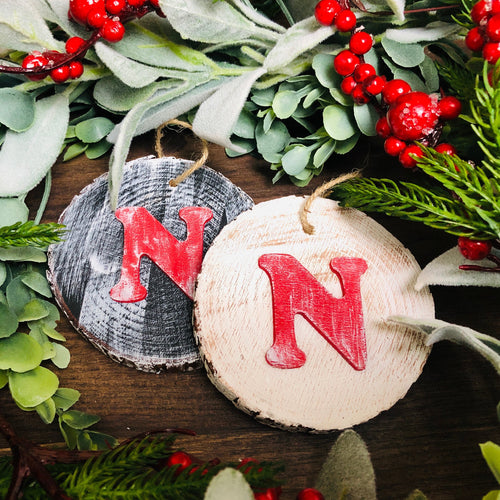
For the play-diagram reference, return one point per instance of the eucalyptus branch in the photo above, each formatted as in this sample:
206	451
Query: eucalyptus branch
412	202
30	234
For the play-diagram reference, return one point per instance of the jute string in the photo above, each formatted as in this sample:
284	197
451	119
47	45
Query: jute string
196	165
322	191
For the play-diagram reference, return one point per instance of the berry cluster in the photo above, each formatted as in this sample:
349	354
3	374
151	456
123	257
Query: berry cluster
105	18
406	116
485	36
184	461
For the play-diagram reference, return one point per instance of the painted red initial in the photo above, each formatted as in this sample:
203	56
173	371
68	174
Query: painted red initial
144	235
296	291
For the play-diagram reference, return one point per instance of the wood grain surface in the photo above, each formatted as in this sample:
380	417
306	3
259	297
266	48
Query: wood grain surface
428	440
154	333
234	317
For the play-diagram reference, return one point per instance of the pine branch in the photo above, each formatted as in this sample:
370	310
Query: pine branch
30	234
414	203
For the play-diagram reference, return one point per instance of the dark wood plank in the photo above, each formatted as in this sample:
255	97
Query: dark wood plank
428	440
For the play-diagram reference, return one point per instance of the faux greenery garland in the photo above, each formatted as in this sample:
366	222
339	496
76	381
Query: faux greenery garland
274	93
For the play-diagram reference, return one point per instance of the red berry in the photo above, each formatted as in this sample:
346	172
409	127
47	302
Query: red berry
114	7
60	74
96	17
269	494
359	96
75	69
412	116
393	89
493	28
136	3
179	459
474	39
247	464
363	71
345	62
474	249
348	84
74	44
360	42
480	11
491	52
393	146
446	148
79	9
408	161
374	85
33	61
345	20
382	127
310	494
326	11
113	31
449	108
155	3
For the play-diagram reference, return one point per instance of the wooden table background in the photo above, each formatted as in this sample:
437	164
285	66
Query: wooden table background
428	440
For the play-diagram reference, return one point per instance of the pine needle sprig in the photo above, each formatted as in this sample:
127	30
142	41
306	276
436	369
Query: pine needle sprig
411	202
474	188
30	234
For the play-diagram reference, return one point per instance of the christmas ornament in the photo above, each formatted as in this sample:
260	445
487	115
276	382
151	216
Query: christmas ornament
292	327
126	279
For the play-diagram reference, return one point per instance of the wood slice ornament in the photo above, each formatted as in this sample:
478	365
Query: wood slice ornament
293	327
126	279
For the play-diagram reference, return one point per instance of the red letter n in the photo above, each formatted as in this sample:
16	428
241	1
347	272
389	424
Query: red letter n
144	235
296	291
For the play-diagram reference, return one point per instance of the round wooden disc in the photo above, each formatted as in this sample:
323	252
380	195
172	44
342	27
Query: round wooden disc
155	333
234	317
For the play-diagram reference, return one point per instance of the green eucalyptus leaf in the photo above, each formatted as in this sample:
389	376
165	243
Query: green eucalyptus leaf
18	295
17	109
348	468
302	180
3	273
70	435
20	353
274	140
8	321
491	453
273	157
343	147
4	378
325	72
339	122
64	398
366	117
312	97
245	146
62	356
33	310
21	254
285	103
93	130
96	441
245	126
47	411
430	75
12	210
407	55
20	172
76	149
269	118
229	484
296	159
37	282
263	97
97	149
78	419
324	152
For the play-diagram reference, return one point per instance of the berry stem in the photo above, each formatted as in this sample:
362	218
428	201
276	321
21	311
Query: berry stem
96	35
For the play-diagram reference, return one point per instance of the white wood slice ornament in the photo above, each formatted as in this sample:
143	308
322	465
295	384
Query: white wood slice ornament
292	327
126	279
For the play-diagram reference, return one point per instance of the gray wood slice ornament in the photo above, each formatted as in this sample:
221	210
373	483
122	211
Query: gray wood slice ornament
293	327
153	332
